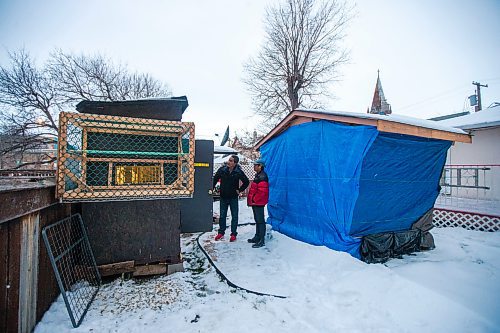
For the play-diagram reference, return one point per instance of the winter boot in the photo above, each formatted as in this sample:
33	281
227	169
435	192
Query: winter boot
254	239
232	238
260	243
219	237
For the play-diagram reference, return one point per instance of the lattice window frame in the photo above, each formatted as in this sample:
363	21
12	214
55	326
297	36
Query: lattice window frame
182	187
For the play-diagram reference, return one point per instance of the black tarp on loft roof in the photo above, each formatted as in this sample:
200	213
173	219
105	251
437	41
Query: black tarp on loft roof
153	108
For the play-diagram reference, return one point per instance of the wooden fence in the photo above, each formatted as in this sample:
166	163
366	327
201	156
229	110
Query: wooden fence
27	283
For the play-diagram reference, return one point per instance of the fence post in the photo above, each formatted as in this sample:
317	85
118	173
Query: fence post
28	272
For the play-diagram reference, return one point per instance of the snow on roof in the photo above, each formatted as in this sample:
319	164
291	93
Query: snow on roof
408	125
224	159
394	118
224	150
485	118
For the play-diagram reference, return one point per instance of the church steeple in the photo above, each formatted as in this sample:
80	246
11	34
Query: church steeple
379	103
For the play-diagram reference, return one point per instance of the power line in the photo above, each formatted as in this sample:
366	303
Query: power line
435	97
491	79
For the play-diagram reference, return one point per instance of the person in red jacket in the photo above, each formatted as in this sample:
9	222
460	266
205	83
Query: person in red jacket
258	196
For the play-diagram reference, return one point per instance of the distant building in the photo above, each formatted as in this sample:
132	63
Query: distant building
246	149
18	153
473	170
379	103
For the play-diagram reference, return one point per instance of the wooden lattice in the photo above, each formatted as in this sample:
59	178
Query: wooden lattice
467	220
247	169
102	157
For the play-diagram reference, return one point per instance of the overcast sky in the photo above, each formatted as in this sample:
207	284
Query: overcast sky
428	52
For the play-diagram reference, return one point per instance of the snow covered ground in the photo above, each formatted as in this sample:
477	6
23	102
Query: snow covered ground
454	288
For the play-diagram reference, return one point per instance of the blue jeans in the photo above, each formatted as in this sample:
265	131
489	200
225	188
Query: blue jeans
224	204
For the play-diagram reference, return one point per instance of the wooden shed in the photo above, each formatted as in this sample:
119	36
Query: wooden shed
359	183
130	156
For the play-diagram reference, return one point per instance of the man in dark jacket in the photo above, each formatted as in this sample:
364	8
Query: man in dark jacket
230	176
258	196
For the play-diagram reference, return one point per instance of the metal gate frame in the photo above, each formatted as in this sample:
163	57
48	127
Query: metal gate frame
74	265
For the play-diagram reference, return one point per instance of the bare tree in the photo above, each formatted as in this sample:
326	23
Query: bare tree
28	93
301	54
31	97
81	77
28	115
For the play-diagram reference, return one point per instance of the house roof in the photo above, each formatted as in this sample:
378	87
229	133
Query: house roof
482	119
384	123
449	116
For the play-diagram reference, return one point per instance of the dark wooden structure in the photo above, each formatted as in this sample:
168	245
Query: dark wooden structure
145	231
137	231
197	212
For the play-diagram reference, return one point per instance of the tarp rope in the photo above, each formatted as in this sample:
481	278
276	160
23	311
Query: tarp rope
223	277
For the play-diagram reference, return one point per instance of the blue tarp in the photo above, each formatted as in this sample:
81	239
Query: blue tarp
318	170
399	183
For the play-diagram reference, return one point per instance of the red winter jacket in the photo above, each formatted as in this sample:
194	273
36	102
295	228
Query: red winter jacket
258	195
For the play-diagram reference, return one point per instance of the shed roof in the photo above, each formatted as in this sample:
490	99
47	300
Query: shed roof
384	123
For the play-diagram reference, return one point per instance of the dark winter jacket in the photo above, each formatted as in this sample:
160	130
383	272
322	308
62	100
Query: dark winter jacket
259	190
230	181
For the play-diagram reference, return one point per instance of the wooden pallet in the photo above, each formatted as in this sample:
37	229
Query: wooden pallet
140	270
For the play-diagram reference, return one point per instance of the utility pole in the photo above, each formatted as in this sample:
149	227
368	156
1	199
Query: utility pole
478	93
